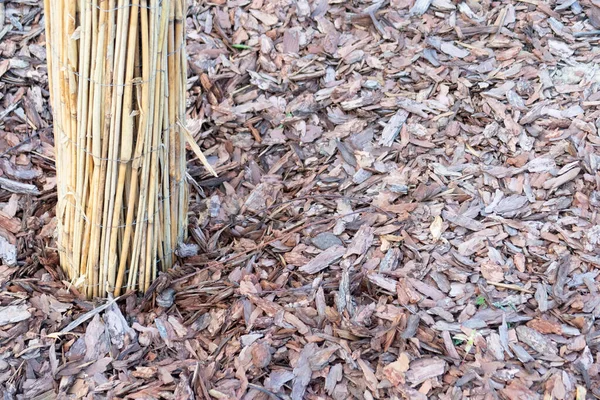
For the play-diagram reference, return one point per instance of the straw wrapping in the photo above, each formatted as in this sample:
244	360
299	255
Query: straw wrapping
118	73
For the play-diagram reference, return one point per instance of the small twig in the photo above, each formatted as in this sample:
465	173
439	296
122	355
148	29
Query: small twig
508	286
198	377
262	389
87	316
18	187
16	146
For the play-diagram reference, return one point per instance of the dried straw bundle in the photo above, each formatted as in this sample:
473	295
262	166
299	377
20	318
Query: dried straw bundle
117	71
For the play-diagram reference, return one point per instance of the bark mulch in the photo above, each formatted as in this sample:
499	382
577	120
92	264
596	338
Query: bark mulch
406	208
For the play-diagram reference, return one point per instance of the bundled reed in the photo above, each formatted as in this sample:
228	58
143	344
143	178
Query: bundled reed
117	71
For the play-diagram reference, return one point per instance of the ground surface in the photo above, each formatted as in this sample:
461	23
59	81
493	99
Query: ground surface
406	208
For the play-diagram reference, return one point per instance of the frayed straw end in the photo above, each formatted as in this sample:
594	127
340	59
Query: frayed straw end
196	149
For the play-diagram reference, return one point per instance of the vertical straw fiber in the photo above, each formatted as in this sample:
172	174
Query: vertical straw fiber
117	71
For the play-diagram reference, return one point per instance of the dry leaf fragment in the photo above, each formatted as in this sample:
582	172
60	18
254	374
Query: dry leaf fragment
436	228
394	372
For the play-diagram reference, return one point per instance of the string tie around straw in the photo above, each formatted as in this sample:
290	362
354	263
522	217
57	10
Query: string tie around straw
65	140
160	206
137	81
151	8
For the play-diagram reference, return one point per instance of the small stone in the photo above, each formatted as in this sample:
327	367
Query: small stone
261	354
166	297
187	250
325	240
